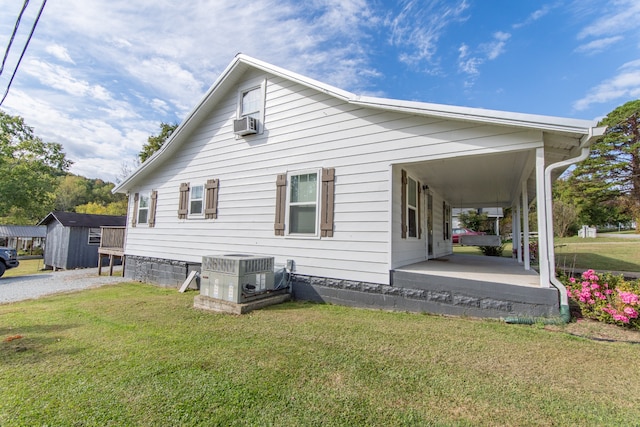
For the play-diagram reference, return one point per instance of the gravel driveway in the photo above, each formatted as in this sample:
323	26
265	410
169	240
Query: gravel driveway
36	285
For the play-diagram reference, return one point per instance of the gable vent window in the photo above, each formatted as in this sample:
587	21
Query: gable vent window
250	111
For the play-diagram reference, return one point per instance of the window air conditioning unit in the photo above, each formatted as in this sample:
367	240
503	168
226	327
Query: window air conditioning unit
236	278
245	126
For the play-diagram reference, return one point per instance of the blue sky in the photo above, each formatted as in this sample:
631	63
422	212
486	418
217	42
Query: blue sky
99	76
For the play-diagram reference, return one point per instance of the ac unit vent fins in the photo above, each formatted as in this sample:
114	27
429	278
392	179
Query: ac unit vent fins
245	126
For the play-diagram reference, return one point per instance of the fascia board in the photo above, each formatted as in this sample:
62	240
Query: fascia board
545	123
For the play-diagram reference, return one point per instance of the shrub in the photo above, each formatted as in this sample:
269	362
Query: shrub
492	250
606	298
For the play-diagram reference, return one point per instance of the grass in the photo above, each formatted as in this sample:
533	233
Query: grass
575	253
134	354
26	267
601	254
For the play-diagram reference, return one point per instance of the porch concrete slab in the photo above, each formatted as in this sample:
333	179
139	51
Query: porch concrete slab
477	268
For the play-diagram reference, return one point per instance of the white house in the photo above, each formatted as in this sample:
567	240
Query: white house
350	188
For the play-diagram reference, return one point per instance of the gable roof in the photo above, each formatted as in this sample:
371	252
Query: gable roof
241	63
73	219
23	231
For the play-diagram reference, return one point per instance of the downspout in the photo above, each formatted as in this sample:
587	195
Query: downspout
565	315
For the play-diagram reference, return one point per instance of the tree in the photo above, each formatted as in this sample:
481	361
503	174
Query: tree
29	169
75	191
473	220
71	192
114	208
154	142
613	168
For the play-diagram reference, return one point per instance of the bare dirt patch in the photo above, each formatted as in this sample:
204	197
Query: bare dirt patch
598	331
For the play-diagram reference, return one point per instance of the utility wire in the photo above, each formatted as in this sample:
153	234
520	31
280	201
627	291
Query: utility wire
13	36
44	2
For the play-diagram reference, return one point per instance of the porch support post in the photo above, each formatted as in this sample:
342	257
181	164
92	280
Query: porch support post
543	243
526	256
517	231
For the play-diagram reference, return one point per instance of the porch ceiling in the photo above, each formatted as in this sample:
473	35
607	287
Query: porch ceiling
477	181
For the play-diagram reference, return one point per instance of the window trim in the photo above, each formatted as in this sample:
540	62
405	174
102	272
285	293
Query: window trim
290	174
259	114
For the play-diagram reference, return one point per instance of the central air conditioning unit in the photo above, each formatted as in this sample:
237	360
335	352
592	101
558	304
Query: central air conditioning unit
236	278
245	126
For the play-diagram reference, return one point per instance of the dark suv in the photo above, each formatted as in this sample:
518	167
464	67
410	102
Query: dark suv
8	259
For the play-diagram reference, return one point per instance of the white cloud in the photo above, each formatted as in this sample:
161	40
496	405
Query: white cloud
539	13
469	62
625	84
417	28
496	47
60	52
625	17
598	45
60	78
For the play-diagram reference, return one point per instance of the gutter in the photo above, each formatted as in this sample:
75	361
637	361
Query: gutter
565	315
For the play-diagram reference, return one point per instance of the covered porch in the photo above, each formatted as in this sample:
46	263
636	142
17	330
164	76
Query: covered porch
478	286
510	177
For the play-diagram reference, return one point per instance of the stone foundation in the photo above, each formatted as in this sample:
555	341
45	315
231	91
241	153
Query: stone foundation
426	294
163	272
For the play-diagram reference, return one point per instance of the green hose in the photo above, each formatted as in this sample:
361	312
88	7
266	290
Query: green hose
565	317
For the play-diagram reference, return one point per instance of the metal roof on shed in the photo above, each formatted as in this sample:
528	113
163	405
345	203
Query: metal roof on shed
23	231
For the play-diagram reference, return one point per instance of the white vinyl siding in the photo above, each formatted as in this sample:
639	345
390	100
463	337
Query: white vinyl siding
308	130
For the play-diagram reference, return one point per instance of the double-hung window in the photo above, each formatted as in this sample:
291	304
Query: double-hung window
302	201
250	103
143	208
196	198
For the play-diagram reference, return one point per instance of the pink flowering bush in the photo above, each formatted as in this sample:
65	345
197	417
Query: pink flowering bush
606	297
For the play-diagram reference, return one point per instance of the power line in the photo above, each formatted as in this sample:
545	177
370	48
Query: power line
15	30
44	2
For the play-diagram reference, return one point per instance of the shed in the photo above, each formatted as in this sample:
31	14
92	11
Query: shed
22	237
73	239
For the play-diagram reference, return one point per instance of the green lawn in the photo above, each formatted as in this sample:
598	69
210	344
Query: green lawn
574	253
602	254
27	266
135	354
